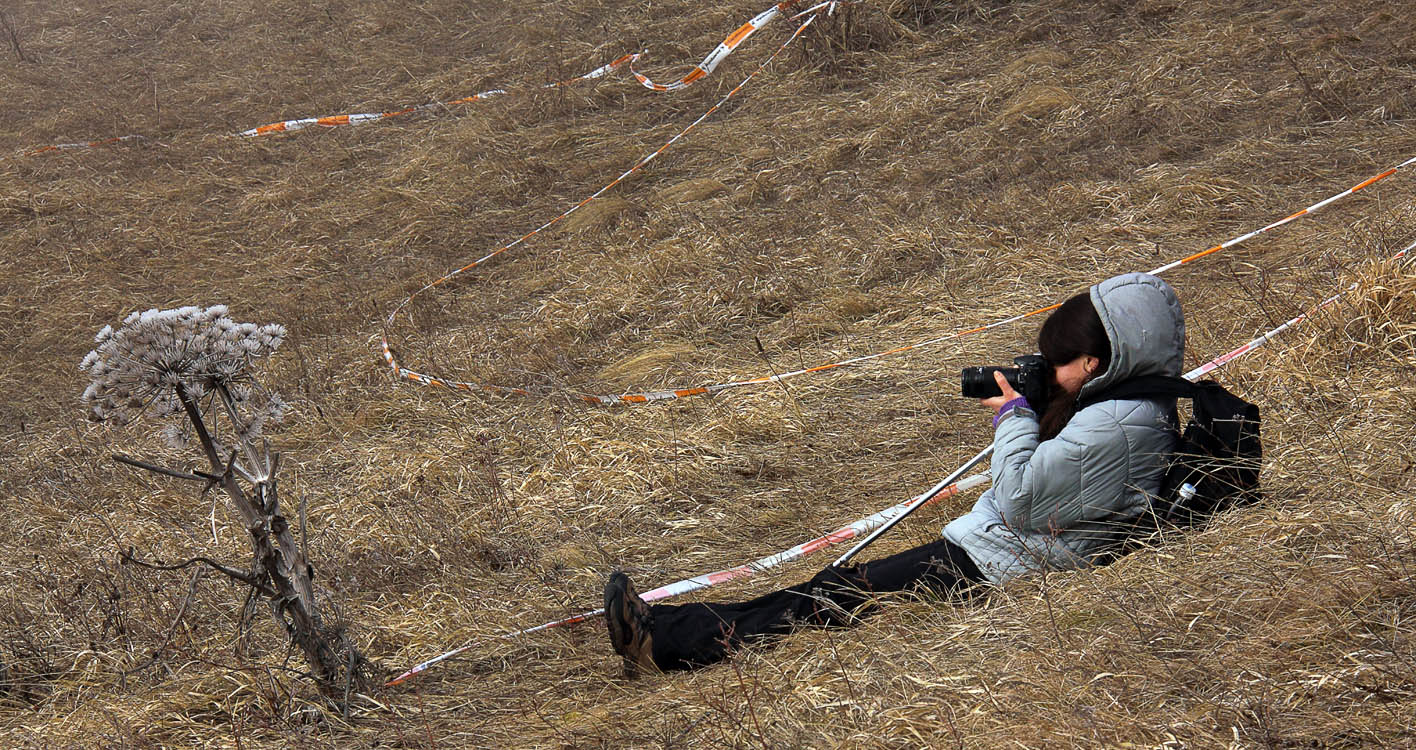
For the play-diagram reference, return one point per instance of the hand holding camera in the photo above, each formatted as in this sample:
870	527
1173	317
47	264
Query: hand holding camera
996	402
1032	379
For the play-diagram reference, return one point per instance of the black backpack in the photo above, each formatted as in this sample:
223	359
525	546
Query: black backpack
1217	457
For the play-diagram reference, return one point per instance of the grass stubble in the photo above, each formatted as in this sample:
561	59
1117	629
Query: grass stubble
911	169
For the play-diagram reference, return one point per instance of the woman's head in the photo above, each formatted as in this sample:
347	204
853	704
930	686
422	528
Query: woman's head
1074	340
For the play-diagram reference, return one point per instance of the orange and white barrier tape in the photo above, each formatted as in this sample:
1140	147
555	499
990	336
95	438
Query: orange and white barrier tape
665	395
700	71
286	126
429	380
747	570
88	144
732	42
855	529
1224	359
360	118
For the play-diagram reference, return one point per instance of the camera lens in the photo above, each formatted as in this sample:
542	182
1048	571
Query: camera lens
978	382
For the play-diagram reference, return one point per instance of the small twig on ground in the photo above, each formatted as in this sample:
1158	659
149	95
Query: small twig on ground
762	354
423	714
172	629
8	26
305	384
1046	592
845	674
1308	87
747	698
156	104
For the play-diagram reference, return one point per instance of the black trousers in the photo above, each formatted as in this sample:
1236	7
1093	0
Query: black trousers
693	635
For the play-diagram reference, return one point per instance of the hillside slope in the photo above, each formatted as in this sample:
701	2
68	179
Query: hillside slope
907	169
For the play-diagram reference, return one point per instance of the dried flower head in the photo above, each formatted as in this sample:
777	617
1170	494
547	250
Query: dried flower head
157	357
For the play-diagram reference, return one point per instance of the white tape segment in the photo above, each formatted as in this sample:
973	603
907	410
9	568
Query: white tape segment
88	144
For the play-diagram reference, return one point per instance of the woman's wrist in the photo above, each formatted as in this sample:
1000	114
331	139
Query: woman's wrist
1007	408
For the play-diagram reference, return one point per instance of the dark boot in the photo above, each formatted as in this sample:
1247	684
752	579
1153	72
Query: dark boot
630	624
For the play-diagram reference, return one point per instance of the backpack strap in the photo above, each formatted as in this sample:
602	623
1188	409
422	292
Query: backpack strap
1143	387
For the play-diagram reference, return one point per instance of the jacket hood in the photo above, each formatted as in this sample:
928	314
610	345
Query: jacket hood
1146	328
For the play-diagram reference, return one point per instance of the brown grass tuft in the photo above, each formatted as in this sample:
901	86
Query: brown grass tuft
635	367
692	191
1034	103
1037	60
600	215
1381	312
853	305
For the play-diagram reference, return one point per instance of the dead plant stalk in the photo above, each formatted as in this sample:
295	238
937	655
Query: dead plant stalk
172	363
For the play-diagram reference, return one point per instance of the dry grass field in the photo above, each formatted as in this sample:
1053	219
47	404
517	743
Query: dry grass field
909	168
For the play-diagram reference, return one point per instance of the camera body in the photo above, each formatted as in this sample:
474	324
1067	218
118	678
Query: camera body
1032	378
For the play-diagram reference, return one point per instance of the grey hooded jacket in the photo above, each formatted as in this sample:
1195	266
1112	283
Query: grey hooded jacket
1057	504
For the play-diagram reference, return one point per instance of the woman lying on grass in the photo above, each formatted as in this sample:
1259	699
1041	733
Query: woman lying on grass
1066	489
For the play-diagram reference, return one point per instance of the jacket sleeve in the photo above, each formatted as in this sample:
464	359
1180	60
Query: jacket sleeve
1050	485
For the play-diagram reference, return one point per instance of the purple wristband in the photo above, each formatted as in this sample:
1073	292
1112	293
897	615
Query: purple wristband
1003	410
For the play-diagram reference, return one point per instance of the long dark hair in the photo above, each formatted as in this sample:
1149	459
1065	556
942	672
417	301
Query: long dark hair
1070	331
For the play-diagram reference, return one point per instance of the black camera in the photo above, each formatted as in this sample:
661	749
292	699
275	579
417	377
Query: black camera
1032	379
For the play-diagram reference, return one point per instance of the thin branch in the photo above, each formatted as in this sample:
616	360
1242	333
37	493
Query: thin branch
243	622
243	667
304	535
198	476
237	433
348	684
232	466
172	629
194	413
246	578
270	466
